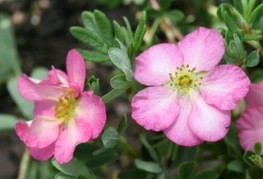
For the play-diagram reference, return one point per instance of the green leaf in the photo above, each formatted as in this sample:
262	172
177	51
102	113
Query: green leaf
246	158
256	16
175	16
252	59
87	37
120	58
236	166
93	84
112	94
110	137
7	122
140	32
119	82
94	56
207	174
9	60
118	32
151	167
257	148
104	27
25	107
149	148
122	126
73	168
186	170
39	73
105	157
63	176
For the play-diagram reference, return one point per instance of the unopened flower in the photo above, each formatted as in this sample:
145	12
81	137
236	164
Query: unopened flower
64	116
250	123
189	96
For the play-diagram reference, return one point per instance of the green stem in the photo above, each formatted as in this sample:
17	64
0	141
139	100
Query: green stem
24	165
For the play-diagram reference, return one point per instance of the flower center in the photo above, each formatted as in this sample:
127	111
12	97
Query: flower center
185	79
65	107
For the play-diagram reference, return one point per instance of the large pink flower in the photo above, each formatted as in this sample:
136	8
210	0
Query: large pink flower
189	96
250	123
64	116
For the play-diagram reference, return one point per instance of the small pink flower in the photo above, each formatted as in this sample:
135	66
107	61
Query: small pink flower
65	115
250	123
189	96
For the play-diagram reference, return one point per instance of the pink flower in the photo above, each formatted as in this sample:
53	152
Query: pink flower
250	123
189	96
250	128
65	115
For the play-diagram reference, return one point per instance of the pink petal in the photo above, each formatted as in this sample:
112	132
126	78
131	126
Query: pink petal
42	153
155	108
179	131
154	65
56	77
37	91
224	86
76	68
250	128
207	122
42	132
202	48
45	108
91	112
254	96
67	141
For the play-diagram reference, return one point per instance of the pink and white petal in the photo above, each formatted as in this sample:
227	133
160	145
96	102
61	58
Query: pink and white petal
42	132
42	153
225	86
56	77
76	68
254	96
152	67
202	48
45	108
37	91
66	143
179	131
250	128
155	108
91	112
208	122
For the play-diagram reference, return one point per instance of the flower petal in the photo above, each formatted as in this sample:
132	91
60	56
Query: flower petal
37	91
207	122
45	108
202	48
254	96
154	65
179	131
67	142
224	86
56	77
42	153
250	128
76	68
91	112
42	132
155	108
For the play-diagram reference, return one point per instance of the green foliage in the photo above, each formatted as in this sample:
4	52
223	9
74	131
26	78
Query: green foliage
151	167
7	122
110	137
9	61
74	168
